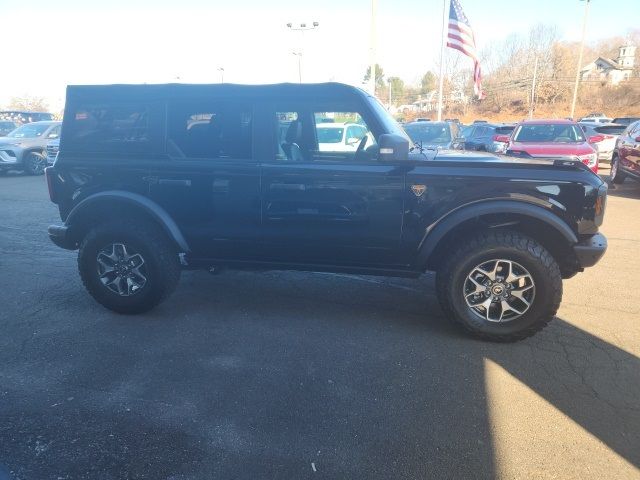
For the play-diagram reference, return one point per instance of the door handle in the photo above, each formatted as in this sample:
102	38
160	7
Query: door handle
287	186
174	182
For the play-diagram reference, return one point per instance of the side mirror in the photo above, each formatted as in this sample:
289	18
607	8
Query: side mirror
393	147
596	138
501	138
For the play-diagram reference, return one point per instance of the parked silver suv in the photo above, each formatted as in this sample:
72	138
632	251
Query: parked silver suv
25	147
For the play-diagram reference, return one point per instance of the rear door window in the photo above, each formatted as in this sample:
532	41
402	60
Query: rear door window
210	129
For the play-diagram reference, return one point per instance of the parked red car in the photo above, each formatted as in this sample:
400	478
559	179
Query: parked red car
551	138
626	156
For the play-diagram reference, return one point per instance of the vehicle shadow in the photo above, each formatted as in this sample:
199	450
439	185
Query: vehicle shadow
259	375
628	189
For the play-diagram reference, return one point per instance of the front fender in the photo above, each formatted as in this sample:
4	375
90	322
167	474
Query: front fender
155	211
439	229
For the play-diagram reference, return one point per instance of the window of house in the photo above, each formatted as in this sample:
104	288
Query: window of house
205	129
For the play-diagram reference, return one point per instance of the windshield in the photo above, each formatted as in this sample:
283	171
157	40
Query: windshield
330	135
429	133
552	133
29	131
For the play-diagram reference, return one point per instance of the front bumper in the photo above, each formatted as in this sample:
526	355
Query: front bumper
11	156
59	234
590	250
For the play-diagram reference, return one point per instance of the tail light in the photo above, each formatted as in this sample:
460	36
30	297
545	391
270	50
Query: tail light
591	161
51	176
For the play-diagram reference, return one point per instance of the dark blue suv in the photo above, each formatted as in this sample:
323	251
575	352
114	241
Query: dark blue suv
153	179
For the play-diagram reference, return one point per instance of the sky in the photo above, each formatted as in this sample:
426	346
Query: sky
49	45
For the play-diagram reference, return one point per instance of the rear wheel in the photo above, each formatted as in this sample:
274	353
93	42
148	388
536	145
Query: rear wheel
128	267
34	163
616	174
500	285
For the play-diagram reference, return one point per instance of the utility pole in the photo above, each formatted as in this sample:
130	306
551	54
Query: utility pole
533	89
442	42
389	82
584	30
372	71
302	27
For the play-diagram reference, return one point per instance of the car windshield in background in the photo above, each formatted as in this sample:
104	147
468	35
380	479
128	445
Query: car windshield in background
504	130
429	133
552	133
29	131
330	135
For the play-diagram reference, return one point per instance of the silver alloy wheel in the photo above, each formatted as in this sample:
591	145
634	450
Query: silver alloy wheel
121	271
499	290
38	163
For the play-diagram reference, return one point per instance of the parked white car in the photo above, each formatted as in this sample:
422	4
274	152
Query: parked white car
341	137
609	133
595	120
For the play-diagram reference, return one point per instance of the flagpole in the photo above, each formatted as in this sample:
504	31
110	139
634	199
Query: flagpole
372	71
442	42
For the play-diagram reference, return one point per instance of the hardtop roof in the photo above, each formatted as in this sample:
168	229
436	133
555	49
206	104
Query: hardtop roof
177	90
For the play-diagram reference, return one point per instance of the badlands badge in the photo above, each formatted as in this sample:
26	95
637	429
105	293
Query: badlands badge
418	190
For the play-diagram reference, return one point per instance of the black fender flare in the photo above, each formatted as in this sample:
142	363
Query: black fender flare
150	207
437	231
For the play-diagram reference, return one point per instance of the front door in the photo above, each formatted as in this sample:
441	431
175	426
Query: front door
326	199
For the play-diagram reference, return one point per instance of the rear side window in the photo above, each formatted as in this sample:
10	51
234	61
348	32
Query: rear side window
610	129
115	127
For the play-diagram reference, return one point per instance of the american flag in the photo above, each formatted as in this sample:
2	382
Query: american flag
461	38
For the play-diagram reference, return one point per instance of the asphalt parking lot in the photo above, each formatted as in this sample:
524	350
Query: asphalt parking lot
298	375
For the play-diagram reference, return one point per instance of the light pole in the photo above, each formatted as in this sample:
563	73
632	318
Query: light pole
221	70
301	27
584	30
299	55
372	69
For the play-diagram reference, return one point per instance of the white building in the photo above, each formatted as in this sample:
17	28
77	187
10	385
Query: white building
610	71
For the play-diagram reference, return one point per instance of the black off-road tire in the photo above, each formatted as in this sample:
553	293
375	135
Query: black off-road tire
617	176
500	244
162	264
34	163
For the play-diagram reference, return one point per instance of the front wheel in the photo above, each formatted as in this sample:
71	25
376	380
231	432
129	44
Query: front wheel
128	266
34	163
500	285
617	176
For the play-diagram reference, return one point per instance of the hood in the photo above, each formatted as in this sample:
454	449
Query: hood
9	140
551	149
484	157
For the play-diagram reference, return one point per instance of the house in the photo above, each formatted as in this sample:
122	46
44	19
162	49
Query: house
610	71
429	102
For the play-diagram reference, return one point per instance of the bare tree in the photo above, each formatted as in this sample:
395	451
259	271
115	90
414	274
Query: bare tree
28	103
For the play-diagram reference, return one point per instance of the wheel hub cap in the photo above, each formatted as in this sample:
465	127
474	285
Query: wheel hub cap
499	290
120	270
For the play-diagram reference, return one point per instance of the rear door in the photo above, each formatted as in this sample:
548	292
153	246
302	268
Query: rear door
210	181
328	207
